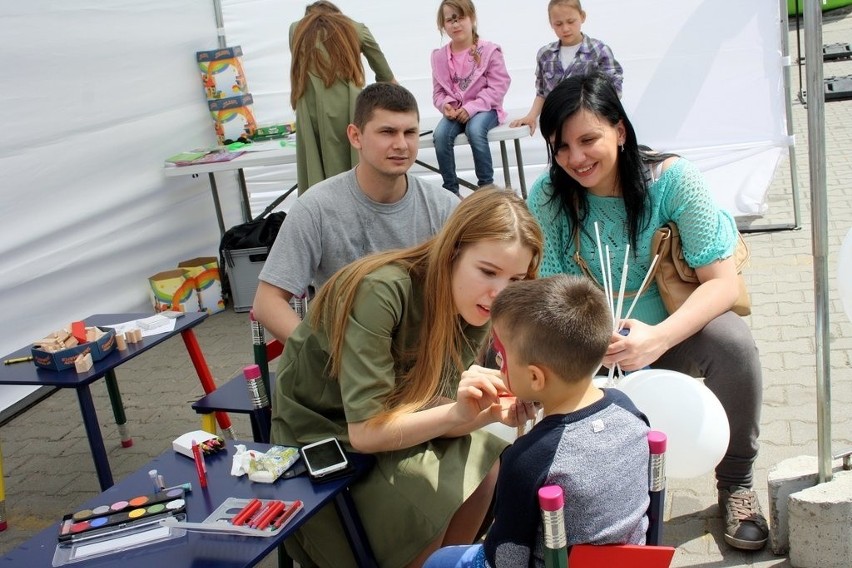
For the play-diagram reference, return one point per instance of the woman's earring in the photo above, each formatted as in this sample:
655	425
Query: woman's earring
622	146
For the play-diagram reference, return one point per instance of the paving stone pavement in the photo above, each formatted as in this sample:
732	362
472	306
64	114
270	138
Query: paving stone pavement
48	468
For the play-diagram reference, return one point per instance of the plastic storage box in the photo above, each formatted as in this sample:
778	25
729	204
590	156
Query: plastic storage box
243	267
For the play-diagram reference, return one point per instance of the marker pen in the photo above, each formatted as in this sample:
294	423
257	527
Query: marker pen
275	509
252	523
246	512
295	507
200	466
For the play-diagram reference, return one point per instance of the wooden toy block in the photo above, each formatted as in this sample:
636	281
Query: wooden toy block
120	343
129	337
78	330
83	363
137	335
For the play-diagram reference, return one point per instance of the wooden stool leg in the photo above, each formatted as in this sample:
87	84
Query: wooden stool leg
206	378
118	409
208	423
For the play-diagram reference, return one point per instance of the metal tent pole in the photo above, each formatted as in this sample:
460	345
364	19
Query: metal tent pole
819	229
220	23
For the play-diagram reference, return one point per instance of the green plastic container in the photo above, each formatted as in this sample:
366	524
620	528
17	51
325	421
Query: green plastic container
826	5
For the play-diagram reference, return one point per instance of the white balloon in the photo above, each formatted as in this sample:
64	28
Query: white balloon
844	273
687	412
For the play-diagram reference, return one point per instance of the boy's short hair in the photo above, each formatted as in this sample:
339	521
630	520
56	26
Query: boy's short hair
385	96
561	322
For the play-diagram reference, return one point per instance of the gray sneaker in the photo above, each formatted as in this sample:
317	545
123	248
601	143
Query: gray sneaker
745	525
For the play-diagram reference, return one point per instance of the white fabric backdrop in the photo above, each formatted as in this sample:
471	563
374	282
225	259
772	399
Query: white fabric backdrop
702	77
97	93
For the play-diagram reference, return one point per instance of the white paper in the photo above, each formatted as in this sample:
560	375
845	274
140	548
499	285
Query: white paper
120	543
153	325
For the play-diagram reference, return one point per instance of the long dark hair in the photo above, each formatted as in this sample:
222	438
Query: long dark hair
595	93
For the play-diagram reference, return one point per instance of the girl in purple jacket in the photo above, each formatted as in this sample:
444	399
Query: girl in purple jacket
469	81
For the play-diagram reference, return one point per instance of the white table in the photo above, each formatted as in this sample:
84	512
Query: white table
274	154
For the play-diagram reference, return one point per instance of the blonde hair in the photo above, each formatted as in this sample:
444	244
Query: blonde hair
339	61
488	214
570	3
465	8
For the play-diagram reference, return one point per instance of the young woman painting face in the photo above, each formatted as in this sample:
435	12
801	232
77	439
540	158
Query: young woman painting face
481	270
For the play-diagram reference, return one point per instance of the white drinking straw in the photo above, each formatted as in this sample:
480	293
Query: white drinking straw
609	284
639	292
601	261
620	304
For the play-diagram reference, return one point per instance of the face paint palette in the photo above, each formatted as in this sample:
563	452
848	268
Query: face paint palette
108	517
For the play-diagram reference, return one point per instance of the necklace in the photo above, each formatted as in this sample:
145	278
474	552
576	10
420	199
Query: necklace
464	82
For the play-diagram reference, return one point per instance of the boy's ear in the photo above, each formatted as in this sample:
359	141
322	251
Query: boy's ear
582	16
538	378
354	136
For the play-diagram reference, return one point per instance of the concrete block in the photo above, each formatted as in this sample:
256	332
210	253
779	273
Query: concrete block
820	520
788	477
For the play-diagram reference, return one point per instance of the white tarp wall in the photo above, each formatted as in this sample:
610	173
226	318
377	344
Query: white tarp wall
98	92
701	77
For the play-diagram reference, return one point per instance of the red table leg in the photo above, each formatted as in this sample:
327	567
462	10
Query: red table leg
205	377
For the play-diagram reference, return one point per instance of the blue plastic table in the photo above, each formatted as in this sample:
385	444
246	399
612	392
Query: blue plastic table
207	549
30	375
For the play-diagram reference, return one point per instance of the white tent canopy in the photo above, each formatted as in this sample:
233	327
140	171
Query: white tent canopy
96	94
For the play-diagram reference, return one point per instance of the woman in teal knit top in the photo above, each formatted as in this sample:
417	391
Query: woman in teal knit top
599	173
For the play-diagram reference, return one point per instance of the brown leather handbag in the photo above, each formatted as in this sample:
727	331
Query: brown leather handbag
676	280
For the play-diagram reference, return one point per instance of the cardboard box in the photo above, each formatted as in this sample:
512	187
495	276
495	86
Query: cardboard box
183	444
173	290
233	117
64	359
222	72
204	272
274	131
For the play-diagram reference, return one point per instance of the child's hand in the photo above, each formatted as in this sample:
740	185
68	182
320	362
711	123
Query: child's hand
449	111
527	120
462	116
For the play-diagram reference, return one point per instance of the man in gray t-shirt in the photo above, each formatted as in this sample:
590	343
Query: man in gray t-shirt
374	207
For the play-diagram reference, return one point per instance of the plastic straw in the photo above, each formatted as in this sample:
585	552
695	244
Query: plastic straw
639	292
617	314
